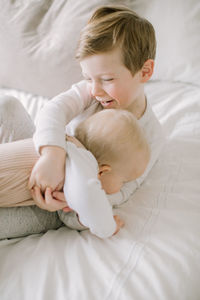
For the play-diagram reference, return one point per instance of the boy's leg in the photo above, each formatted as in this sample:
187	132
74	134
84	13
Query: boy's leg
15	122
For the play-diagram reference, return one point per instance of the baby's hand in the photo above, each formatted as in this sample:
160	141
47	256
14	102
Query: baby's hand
120	223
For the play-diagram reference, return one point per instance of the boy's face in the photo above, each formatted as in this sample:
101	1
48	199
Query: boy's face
110	82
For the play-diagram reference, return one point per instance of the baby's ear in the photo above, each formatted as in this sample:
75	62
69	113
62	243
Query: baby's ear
103	169
147	70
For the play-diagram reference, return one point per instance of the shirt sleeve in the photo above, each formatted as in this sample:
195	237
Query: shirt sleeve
124	194
57	113
84	193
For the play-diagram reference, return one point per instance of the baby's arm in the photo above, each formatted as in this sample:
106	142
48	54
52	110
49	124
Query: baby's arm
71	220
84	193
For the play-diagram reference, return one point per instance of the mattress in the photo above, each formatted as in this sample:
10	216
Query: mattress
157	253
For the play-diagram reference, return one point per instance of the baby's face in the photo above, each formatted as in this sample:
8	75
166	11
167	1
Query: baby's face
129	170
112	181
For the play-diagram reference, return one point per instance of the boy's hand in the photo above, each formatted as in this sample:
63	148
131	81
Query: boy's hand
120	223
49	170
50	201
60	196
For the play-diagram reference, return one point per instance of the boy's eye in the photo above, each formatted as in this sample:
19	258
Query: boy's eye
108	79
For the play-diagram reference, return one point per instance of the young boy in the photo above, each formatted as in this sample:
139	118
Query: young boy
122	156
116	53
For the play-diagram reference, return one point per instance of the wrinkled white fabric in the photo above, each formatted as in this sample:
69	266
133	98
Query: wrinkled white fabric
156	255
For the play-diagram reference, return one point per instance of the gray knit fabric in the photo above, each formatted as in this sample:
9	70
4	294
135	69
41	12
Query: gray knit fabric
23	221
15	122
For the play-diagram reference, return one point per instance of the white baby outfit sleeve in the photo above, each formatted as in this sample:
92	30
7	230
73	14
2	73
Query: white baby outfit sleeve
84	193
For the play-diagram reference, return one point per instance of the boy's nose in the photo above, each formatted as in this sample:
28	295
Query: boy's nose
97	90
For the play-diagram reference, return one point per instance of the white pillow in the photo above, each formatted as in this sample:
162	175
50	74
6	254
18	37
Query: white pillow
177	26
38	41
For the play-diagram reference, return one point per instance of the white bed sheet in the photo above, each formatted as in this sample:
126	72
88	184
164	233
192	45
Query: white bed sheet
155	256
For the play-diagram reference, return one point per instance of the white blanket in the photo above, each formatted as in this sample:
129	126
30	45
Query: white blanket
155	256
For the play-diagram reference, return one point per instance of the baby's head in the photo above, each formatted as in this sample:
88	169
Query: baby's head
111	27
119	145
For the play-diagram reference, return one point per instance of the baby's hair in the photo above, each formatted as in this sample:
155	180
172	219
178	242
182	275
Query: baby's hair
118	26
113	136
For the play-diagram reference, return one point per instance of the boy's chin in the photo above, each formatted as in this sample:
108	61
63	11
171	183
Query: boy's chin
112	191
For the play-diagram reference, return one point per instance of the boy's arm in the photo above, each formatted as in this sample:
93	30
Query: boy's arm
49	138
57	113
123	195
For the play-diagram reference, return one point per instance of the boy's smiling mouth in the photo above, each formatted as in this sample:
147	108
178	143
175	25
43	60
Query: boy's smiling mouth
105	103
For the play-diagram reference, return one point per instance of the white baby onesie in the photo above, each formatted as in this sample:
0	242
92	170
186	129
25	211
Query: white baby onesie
84	193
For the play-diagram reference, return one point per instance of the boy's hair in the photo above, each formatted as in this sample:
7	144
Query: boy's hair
113	136
118	26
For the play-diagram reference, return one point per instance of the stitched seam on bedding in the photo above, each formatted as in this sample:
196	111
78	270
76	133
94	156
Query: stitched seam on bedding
135	254
120	279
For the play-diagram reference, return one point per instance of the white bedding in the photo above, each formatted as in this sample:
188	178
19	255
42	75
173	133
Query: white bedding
156	256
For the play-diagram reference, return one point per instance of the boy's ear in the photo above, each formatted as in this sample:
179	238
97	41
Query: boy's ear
103	169
147	70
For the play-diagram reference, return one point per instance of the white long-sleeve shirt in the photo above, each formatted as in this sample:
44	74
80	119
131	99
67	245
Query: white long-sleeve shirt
63	113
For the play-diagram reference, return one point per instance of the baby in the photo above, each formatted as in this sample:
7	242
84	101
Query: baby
121	155
115	152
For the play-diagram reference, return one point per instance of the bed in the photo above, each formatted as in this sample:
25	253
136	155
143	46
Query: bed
157	254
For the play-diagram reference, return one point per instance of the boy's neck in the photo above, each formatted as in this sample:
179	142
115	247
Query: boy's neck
138	107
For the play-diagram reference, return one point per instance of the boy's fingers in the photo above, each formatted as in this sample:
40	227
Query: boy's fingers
30	183
52	203
37	196
47	203
67	209
60	186
59	195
